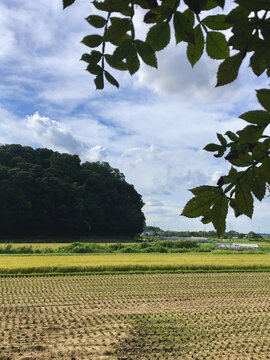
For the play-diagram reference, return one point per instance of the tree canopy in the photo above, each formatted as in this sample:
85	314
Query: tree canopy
43	193
231	37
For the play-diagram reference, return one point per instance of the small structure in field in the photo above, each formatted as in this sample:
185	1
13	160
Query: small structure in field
236	246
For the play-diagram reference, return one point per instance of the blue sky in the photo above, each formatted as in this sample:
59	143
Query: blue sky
153	129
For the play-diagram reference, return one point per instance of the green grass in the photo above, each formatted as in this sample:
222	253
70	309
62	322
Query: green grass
17	264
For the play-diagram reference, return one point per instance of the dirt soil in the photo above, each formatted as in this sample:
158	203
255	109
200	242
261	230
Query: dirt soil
129	317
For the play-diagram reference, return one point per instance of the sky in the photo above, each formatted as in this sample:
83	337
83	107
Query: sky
153	129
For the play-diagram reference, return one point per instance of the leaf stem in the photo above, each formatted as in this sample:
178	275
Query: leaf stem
104	42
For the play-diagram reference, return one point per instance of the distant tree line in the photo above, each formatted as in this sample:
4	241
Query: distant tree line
154	230
43	192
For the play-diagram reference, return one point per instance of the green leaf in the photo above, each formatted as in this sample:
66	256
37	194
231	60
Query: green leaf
96	21
232	136
67	3
239	158
265	29
94	69
197	206
216	22
92	40
254	5
210	4
94	57
243	198
122	51
216	45
116	64
111	79
219	213
259	151
158	36
200	205
205	190
196	5
256	182
194	51
220	3
212	147
189	17
250	134
237	212
117	30
222	139
228	69
143	4
183	28
263	96
257	64
103	5
258	117
265	169
99	81
146	53
133	62
237	15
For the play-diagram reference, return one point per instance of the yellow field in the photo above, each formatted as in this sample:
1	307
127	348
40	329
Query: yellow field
70	263
36	245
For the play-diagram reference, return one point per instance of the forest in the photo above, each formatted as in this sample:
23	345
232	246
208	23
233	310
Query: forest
45	193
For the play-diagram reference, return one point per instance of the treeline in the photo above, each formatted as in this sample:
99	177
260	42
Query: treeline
165	246
88	248
45	193
156	231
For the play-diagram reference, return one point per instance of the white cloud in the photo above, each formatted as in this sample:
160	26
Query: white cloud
96	153
52	134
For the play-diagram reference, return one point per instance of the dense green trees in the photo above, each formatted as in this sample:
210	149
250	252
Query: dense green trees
43	192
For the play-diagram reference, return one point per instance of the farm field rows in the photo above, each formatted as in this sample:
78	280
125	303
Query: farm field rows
135	317
14	264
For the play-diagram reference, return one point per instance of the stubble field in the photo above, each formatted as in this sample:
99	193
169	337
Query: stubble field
132	317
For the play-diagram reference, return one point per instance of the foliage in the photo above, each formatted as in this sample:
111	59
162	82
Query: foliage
163	246
88	248
200	25
46	193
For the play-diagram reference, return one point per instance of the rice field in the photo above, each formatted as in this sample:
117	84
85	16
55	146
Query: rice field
36	245
16	264
136	317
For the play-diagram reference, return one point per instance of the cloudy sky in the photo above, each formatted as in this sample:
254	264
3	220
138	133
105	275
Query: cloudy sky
153	128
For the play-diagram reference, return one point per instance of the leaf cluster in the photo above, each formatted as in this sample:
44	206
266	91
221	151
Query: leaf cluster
203	26
185	21
248	149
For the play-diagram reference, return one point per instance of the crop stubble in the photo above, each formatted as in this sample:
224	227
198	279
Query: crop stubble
143	316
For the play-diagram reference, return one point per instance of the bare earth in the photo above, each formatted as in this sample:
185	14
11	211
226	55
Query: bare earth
126	317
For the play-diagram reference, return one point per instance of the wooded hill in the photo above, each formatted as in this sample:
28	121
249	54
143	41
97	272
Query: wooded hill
44	193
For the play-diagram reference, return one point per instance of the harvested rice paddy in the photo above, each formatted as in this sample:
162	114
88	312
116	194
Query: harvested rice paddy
136	317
